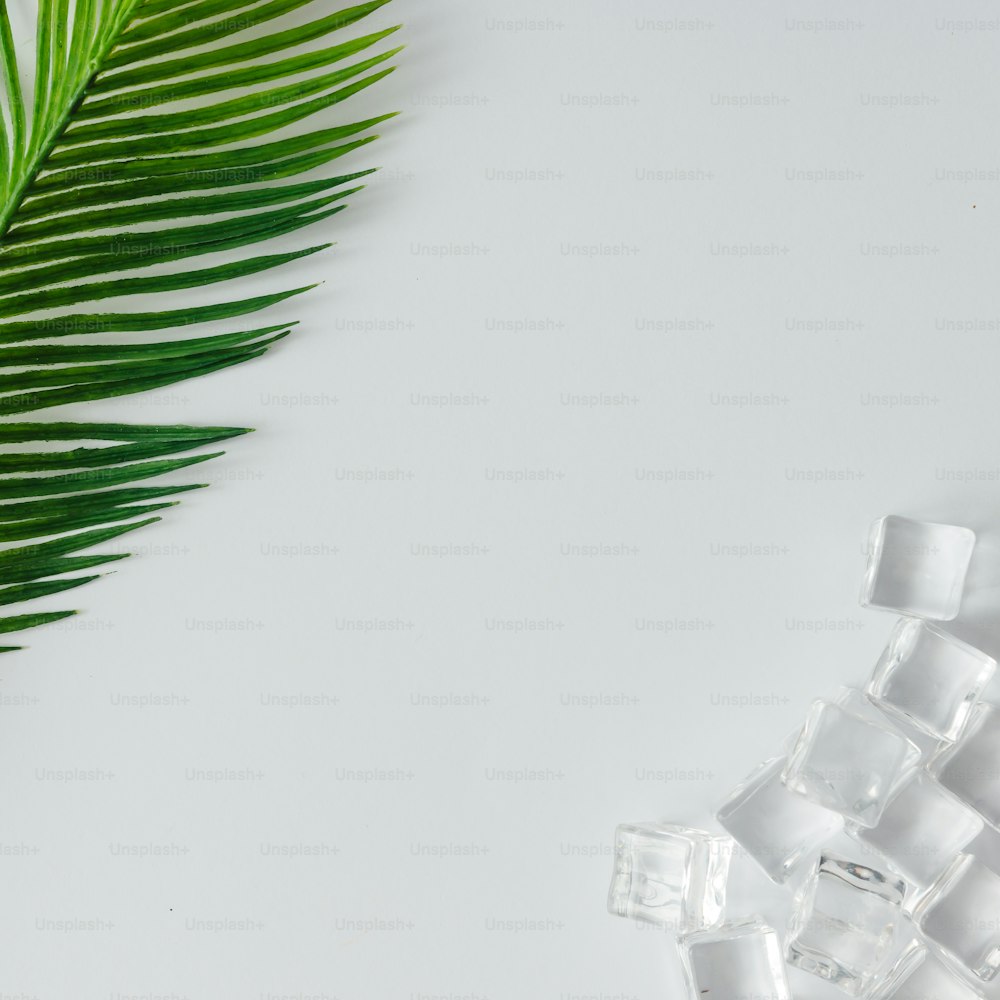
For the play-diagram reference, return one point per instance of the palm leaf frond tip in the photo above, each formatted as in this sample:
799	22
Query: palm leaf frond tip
146	142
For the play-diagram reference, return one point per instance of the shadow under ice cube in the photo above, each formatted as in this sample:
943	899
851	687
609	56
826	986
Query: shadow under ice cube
740	960
844	920
916	567
670	875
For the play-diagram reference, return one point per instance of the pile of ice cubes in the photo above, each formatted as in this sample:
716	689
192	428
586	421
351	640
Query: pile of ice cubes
908	768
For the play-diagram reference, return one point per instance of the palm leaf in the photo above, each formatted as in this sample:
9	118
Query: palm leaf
147	142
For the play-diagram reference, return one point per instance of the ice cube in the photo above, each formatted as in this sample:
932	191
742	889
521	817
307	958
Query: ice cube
961	914
670	875
778	828
919	975
931	678
850	758
916	567
739	960
922	829
971	767
844	920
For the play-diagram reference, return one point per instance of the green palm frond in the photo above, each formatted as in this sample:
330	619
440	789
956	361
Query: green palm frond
145	143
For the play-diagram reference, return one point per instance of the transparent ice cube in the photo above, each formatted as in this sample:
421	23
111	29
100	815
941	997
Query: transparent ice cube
776	827
850	758
931	678
919	975
844	921
916	567
922	829
961	915
971	767
740	960
670	875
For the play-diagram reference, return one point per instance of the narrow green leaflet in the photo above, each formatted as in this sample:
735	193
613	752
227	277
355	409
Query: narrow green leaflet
159	146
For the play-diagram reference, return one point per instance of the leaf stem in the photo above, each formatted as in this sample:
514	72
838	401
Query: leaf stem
106	42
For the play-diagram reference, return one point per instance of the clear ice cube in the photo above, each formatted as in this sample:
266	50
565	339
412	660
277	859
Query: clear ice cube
844	921
922	829
971	767
916	567
961	915
777	828
850	758
931	678
670	875
740	960
919	975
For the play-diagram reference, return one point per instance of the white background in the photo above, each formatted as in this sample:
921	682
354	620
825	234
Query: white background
687	282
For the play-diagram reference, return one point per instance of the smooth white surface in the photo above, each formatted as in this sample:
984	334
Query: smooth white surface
621	638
